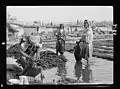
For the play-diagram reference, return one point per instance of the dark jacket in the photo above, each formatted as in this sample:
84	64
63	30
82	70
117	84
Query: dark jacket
60	34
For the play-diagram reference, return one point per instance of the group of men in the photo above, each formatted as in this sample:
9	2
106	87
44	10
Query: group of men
87	37
60	34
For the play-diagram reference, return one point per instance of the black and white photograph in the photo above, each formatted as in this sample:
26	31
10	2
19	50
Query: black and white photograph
59	45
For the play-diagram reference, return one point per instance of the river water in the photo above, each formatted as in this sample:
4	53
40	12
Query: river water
101	71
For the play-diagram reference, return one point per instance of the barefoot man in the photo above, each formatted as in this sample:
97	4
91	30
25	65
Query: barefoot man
86	51
60	44
88	36
38	42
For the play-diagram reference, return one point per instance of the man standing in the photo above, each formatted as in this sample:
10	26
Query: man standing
39	44
88	37
61	32
60	44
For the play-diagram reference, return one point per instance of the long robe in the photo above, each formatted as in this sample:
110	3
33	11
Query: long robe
60	44
89	40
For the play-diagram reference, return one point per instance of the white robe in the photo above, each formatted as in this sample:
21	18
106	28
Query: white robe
89	39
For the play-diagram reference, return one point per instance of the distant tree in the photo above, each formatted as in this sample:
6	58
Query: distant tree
51	23
77	21
43	32
92	21
103	24
76	29
37	29
36	22
39	23
43	24
81	23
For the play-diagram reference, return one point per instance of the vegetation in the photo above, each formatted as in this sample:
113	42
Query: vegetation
48	59
103	24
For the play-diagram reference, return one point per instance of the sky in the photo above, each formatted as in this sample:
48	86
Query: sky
61	13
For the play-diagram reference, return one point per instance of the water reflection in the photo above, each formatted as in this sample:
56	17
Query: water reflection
78	69
61	70
83	74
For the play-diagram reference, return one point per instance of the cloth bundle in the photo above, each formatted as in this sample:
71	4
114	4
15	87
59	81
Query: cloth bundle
21	81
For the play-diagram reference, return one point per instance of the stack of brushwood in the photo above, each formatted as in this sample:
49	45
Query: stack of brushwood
66	81
48	59
13	51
